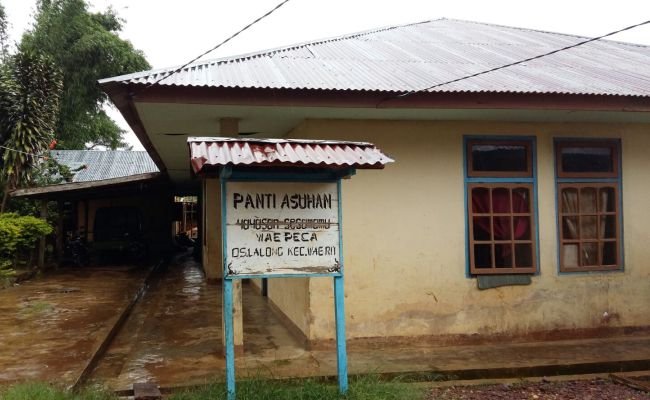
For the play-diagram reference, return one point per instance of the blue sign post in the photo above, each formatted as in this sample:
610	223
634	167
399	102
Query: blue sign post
280	226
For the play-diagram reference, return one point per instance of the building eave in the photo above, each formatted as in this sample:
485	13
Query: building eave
76	187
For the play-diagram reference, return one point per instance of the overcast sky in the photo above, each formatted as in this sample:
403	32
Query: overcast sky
171	32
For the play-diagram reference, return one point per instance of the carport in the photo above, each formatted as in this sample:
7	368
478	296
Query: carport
105	181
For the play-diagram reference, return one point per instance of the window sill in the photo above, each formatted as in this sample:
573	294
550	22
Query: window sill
494	281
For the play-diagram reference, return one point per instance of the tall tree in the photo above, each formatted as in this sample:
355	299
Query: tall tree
4	35
86	46
30	89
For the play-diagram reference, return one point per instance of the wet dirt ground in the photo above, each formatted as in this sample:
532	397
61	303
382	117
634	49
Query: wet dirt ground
173	338
596	389
51	325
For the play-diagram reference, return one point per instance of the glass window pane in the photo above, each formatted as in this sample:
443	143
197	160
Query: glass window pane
503	255
609	253
501	228
501	200
607	199
588	202
570	228
588	227
524	255
570	201
589	254
521	200
570	255
522	228
608	227
482	228
483	256
499	158
587	159
481	200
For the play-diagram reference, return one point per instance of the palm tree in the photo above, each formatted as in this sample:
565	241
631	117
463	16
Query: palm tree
30	90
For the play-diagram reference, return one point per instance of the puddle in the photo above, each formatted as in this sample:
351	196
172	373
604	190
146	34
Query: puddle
173	336
50	326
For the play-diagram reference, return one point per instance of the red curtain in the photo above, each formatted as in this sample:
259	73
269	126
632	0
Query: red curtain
501	204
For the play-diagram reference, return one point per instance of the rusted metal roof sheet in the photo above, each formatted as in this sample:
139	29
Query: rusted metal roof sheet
94	165
417	56
217	151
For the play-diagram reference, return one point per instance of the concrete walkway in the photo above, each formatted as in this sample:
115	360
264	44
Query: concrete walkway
173	338
51	326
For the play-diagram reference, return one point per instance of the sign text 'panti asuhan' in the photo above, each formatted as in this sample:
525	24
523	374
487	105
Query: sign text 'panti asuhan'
277	228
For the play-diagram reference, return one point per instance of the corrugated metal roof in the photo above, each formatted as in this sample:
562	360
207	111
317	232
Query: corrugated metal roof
100	165
215	151
417	56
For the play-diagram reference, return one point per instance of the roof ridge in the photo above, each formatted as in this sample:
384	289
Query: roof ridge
520	28
347	36
401	58
267	52
102	151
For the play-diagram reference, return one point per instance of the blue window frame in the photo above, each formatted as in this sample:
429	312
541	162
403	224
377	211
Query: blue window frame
500	205
589	204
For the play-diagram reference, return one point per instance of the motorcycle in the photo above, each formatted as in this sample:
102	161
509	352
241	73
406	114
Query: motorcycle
76	251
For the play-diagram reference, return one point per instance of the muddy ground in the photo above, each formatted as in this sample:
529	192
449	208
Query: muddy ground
597	389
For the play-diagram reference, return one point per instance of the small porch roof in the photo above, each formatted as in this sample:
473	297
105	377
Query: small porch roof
211	152
98	188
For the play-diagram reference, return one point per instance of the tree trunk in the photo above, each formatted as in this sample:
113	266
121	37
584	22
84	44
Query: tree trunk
5	196
42	242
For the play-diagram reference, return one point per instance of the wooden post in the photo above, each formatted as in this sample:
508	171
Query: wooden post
59	234
86	205
229	337
229	127
339	311
341	348
42	242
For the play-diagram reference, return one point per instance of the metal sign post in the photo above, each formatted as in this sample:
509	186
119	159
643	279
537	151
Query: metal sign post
284	228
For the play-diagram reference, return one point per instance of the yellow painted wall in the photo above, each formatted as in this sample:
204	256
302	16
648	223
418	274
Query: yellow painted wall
404	239
291	295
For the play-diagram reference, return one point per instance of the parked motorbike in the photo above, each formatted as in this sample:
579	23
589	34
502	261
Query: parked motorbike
76	252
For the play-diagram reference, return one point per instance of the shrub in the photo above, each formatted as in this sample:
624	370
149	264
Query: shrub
18	235
43	391
9	233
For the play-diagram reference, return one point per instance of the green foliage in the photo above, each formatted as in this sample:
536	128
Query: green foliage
9	234
4	35
30	87
18	234
29	228
364	388
50	172
42	391
6	271
86	46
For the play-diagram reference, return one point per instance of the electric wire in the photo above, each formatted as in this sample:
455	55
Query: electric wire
271	11
581	43
23	152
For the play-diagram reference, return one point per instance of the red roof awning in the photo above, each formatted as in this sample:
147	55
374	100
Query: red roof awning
328	154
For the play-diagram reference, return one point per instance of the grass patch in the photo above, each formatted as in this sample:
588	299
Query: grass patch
35	308
43	391
364	388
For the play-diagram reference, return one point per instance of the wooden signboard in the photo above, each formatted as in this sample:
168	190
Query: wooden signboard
281	228
277	229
